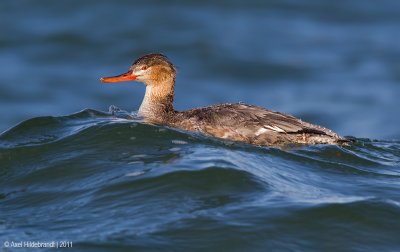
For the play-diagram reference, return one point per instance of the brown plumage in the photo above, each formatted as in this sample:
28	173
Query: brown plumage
236	122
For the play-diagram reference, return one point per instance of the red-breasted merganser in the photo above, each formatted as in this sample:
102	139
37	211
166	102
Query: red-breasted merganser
236	122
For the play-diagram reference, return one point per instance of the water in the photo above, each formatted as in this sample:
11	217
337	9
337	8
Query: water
106	181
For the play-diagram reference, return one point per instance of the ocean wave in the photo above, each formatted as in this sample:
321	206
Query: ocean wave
113	166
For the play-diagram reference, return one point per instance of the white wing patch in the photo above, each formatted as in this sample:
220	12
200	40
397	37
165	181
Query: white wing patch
261	131
267	128
275	128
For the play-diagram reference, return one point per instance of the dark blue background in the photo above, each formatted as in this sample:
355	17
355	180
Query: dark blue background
334	63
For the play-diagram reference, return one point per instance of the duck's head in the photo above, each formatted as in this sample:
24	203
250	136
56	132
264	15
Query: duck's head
151	69
158	74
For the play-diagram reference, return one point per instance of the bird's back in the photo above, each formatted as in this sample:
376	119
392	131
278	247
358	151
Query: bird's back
254	125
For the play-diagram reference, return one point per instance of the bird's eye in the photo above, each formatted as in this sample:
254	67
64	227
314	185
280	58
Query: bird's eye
143	68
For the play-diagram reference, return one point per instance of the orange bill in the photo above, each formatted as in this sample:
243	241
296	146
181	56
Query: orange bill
122	77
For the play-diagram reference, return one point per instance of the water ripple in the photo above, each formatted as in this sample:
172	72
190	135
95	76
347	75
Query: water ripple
157	183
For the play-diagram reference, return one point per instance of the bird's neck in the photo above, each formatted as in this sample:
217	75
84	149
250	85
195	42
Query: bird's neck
158	100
